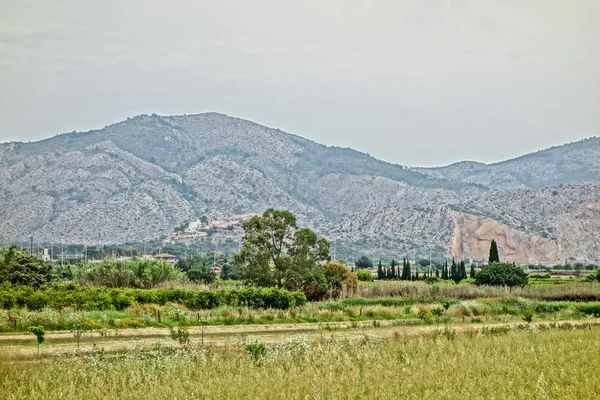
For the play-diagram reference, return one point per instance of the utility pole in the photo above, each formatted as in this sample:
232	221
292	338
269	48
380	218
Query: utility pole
31	244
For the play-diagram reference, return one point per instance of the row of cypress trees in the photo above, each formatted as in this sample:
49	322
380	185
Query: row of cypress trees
456	272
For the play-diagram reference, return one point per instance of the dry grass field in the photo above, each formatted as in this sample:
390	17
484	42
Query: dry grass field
524	361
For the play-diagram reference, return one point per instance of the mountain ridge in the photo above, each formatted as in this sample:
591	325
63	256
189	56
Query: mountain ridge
141	178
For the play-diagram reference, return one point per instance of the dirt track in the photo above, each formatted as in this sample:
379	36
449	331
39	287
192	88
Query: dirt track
22	346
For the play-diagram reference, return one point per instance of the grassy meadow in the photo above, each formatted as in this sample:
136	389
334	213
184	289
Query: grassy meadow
525	362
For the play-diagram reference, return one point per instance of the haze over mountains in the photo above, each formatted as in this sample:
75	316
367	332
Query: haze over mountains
142	178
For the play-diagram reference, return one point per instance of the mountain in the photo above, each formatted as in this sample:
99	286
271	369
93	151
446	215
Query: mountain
153	176
577	162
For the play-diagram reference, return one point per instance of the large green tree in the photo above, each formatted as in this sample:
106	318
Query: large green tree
21	268
275	252
364	262
494	256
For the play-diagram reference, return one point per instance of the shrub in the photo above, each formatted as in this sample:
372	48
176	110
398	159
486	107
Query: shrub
364	276
499	274
590	309
256	350
433	279
180	335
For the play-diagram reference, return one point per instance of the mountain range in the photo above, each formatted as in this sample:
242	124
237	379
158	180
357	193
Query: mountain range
179	176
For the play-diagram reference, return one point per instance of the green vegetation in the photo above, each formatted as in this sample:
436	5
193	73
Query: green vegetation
276	253
364	276
400	310
498	274
60	296
197	269
364	262
494	256
134	273
39	333
579	291
21	268
529	362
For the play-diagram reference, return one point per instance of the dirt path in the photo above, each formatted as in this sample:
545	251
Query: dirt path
22	347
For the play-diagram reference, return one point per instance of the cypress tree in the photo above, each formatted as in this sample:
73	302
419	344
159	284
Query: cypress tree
454	271
405	271
494	257
472	274
380	273
445	271
394	271
463	271
437	272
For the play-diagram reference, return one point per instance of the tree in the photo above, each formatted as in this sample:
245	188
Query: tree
472	272
340	278
275	252
500	274
364	262
393	266
39	333
229	270
380	273
494	257
405	270
462	271
22	268
196	268
454	274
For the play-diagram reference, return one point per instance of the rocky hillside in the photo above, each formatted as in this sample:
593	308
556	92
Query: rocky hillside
185	176
577	162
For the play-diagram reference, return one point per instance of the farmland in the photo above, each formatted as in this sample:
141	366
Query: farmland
530	361
303	326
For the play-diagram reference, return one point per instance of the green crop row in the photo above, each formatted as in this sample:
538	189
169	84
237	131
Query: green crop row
59	296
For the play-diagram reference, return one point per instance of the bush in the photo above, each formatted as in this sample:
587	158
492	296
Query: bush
433	279
364	276
540	276
499	274
590	309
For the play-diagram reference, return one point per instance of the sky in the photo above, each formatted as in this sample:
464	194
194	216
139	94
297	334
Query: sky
419	82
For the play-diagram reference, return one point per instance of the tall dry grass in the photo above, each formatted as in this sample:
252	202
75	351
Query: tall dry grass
573	292
526	365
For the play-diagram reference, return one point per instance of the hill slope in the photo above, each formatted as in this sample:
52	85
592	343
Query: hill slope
142	178
577	162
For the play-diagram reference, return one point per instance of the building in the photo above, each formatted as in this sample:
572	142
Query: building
166	257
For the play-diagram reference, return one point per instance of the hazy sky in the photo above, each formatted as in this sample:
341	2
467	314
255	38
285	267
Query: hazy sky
423	82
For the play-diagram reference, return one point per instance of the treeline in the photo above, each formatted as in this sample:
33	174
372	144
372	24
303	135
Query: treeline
76	253
21	268
456	272
61	296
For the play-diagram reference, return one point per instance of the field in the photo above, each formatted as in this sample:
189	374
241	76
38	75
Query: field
520	361
386	340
